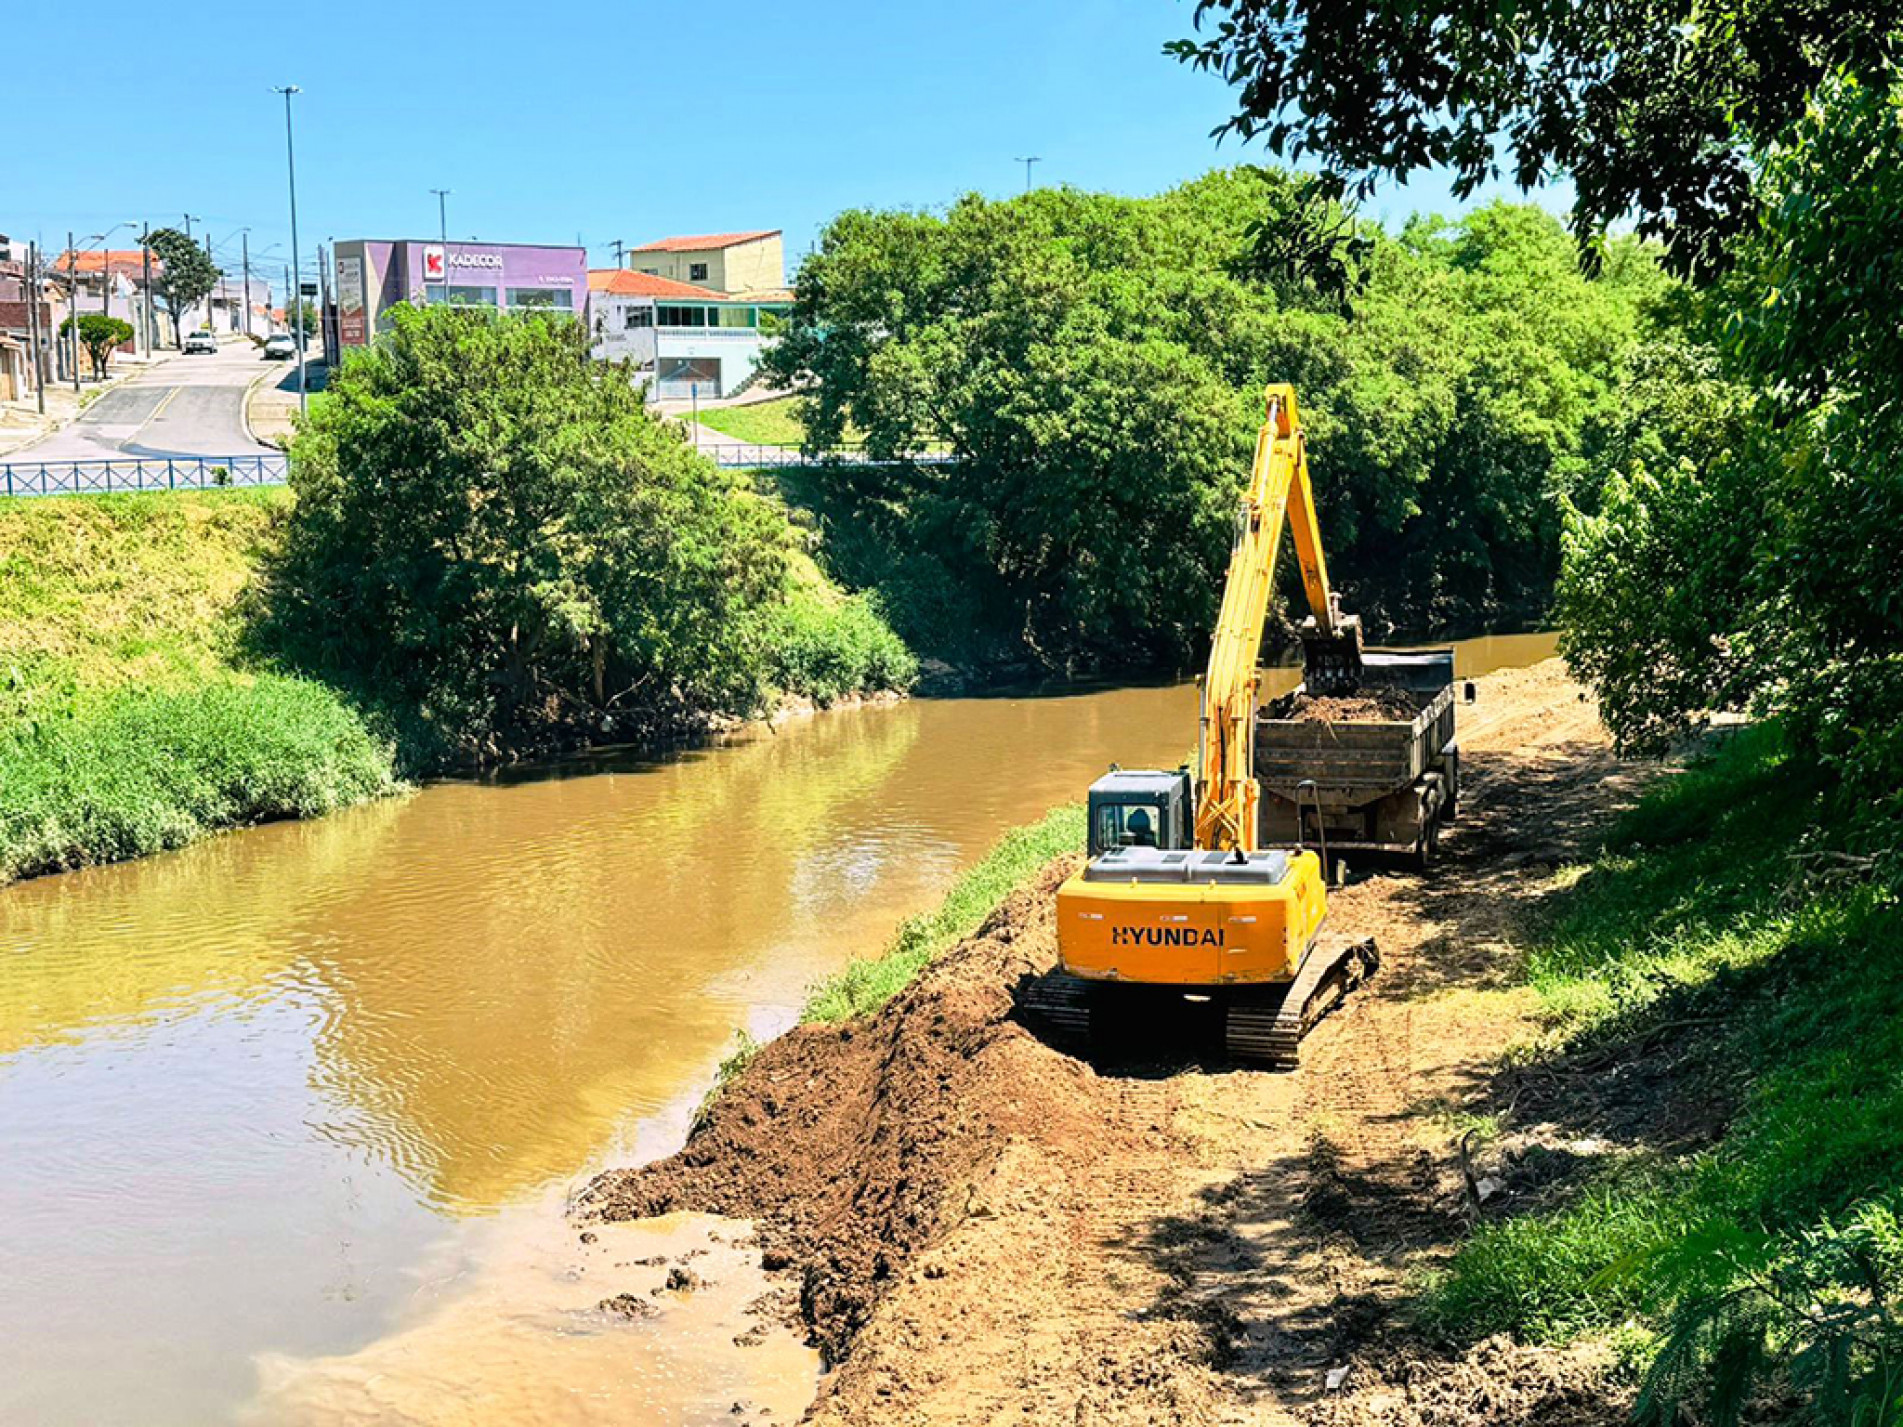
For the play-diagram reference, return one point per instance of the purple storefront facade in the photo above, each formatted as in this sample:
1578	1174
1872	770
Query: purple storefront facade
373	276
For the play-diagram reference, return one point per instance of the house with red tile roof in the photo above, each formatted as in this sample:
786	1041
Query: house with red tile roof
740	264
681	339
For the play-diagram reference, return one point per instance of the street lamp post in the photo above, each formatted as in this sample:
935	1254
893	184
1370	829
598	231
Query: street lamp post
297	274
442	234
1027	161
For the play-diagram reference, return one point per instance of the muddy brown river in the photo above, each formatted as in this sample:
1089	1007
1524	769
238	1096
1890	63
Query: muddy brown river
287	1118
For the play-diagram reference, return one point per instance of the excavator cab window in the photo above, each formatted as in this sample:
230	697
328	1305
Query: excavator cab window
1128	825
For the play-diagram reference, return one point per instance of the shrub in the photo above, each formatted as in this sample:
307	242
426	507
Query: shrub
826	649
496	545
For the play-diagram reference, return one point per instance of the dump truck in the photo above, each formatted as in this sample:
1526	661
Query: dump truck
1378	772
1181	904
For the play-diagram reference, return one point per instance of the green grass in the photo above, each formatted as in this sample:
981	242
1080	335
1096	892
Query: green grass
862	987
128	722
121	590
765	423
137	771
1696	919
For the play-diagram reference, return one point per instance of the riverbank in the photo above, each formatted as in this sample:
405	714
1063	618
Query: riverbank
139	711
983	1225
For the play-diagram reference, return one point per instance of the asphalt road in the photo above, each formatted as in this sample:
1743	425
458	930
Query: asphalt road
188	406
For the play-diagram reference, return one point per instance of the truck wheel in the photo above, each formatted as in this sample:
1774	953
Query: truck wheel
1426	845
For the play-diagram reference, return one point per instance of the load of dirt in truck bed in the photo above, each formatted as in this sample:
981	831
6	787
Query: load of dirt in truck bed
1373	704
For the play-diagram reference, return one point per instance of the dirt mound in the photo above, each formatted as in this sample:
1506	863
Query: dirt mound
1496	1383
1369	705
853	1147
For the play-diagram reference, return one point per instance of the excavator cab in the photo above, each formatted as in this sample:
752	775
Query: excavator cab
1132	808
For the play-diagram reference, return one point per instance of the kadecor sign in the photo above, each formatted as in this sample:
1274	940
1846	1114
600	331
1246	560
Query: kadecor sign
433	262
476	260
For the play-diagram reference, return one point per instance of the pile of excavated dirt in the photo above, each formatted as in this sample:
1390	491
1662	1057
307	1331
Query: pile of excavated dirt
1370	705
985	1228
854	1146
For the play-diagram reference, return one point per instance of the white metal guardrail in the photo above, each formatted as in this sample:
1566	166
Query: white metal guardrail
182	473
142	473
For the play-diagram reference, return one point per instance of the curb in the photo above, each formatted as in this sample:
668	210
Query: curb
244	412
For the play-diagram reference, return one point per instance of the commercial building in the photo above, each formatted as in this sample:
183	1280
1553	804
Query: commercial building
375	275
683	340
729	264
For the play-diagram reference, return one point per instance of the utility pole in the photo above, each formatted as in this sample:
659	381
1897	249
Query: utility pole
35	289
297	295
191	218
72	304
442	237
1027	161
247	281
145	298
619	248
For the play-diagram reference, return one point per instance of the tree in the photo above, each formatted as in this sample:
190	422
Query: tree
185	276
1097	364
99	334
1649	107
292	308
494	543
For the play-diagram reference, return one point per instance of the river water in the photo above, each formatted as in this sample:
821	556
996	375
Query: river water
287	1118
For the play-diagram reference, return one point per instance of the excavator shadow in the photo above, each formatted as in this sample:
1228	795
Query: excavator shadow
1129	1031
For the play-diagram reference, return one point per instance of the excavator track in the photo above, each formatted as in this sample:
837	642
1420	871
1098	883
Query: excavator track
1270	1033
1259	1027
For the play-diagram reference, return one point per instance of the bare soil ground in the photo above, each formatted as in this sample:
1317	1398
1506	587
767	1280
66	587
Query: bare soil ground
986	1229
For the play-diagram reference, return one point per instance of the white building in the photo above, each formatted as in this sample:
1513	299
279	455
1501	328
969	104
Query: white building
682	339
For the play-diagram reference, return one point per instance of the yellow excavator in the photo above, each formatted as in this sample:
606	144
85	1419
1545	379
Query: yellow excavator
1179	905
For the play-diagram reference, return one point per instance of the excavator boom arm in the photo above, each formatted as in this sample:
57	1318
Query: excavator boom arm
1226	816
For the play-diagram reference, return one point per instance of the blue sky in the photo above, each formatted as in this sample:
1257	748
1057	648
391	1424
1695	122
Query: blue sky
551	121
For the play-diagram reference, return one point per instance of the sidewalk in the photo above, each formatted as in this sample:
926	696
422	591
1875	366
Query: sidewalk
21	422
270	409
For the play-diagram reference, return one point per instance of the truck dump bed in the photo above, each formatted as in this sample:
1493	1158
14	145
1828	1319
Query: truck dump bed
1391	742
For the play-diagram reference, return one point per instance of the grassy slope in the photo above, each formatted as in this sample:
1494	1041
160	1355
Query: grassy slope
865	985
764	423
104	591
126	724
1698	922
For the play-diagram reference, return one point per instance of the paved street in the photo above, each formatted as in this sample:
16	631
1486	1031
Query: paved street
188	406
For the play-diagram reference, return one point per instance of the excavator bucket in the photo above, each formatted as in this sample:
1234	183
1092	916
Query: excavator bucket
1331	660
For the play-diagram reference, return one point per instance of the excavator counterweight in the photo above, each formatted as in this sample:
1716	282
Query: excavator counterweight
1178	897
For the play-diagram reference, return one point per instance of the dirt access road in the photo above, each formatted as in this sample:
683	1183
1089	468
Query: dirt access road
986	1229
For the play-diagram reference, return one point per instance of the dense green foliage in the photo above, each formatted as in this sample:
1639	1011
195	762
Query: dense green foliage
1751	557
496	546
1648	109
1698	915
137	771
1097	364
864	986
98	334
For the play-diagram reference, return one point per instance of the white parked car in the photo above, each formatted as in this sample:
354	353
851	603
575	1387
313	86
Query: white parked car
197	342
280	347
